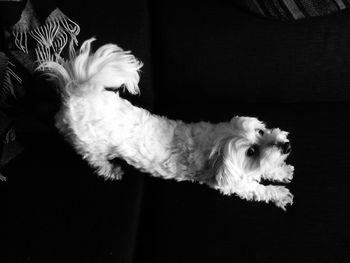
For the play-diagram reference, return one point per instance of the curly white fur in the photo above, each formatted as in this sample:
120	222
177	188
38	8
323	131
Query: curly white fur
232	157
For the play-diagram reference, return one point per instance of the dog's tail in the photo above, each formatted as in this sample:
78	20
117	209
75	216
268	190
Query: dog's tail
109	67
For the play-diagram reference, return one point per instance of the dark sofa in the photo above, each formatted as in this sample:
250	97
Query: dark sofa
203	61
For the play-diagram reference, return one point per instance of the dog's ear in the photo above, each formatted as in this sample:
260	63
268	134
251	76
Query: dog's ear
216	163
246	123
224	166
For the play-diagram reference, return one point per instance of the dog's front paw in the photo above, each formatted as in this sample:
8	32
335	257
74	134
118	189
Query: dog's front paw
289	170
282	197
282	173
111	172
117	173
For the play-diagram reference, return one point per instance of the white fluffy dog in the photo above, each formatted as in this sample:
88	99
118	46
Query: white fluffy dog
233	157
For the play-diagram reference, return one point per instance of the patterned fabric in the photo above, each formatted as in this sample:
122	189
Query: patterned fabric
294	9
51	37
33	31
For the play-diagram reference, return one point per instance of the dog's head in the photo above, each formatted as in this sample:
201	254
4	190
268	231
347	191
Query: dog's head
246	152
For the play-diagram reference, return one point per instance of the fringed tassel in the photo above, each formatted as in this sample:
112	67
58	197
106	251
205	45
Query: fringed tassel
70	27
7	89
45	34
7	86
51	38
43	54
60	42
10	73
21	29
10	136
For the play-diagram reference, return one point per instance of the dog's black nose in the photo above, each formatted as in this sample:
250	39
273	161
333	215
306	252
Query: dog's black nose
286	147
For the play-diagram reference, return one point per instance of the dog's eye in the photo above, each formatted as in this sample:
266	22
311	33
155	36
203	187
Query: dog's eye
252	151
261	132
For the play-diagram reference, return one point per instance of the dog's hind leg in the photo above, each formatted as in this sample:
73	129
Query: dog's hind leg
106	167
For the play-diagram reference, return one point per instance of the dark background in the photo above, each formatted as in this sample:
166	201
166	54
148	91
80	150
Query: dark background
202	62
